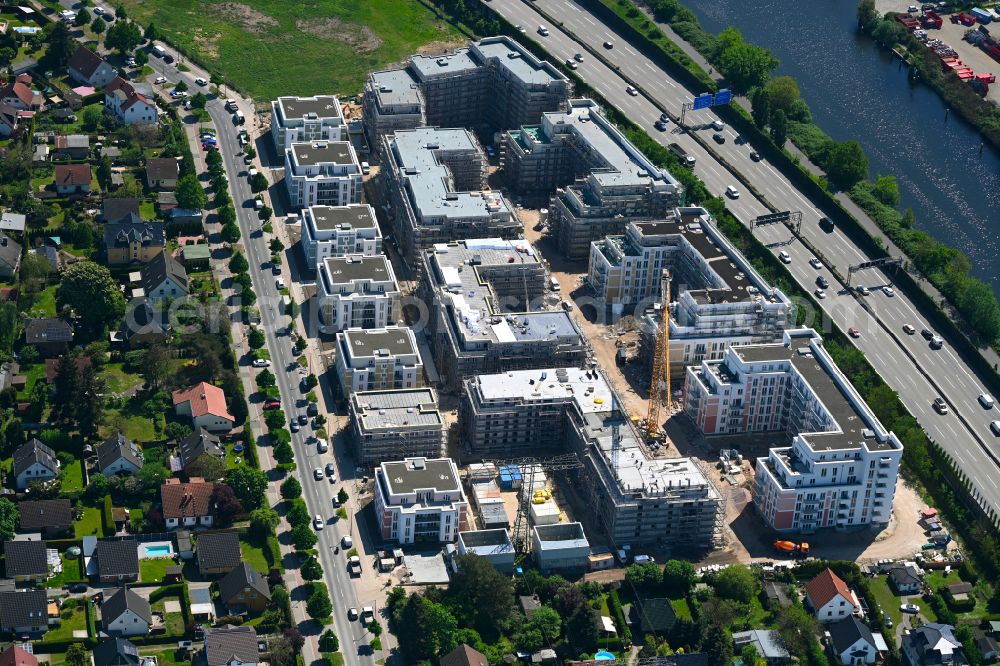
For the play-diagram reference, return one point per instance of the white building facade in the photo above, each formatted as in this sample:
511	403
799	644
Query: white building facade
323	173
378	359
336	231
357	291
305	120
420	500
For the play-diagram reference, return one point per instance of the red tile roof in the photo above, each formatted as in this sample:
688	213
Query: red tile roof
124	89
19	90
15	656
186	500
72	174
825	587
204	399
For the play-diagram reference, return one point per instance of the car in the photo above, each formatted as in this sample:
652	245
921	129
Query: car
567	305
318	473
130	62
854	332
718	137
937	342
335	502
609	45
826	224
347	542
293	426
911	9
718	125
755	156
887	290
272	404
543	31
940	406
927	333
279	283
571	63
815	263
322	446
908	329
822	282
209	140
367	615
303	419
312	409
909	608
160	80
985	400
331	470
664	118
732	192
201	82
995	427
820	294
632	91
205	146
578	57
785	257
352	613
175	93
887	619
660	125
519	28
261	362
275	268
208	136
99	10
77	587
318	522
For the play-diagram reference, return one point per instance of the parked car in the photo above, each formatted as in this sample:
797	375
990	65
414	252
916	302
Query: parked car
331	470
909	608
322	446
160	80
293	426
347	542
279	283
352	613
272	404
261	363
201	82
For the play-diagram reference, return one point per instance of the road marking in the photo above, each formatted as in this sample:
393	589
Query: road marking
587	19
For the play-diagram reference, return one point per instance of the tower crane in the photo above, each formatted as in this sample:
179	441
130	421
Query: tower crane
659	383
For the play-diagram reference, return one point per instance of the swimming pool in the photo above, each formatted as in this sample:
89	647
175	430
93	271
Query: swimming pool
156	549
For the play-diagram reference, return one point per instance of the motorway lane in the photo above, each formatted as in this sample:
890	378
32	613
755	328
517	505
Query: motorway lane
902	360
318	495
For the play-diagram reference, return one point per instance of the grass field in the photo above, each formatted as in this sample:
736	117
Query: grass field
72	478
273	47
254	556
90	524
153	570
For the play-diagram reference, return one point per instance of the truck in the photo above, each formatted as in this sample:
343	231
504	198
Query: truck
792	548
354	565
981	14
686	159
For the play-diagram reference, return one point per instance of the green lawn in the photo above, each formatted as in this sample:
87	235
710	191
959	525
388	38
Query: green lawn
154	570
681	609
90	524
886	598
77	621
147	210
71	571
117	379
133	421
32	374
72	477
174	621
45	304
273	47
254	556
167	657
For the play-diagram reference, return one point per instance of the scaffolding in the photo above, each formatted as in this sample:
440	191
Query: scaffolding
659	383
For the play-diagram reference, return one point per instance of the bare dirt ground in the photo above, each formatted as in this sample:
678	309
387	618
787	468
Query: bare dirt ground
440	47
360	37
246	17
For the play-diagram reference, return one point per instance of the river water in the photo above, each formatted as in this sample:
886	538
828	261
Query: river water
856	91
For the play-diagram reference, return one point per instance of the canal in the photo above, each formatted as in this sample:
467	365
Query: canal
856	91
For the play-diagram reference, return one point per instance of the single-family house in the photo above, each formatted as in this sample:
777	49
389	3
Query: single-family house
205	405
218	553
932	644
25	561
24	612
852	641
133	240
987	646
34	462
15	655
195	450
49	335
162	173
53	518
127	104
145	323
72	178
115	209
9	119
464	655
18	94
74	146
11	222
116	652
119	455
125	613
90	69
775	595
959	592
187	504
905	579
10	257
244	589
830	598
767	642
653	615
231	646
80	364
117	560
163	277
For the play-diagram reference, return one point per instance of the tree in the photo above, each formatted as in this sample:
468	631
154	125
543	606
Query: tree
779	127
751	657
328	642
255	338
311	569
120	12
123	36
319	606
258	183
886	190
238	263
249	486
226	214
104	173
303	538
266	379
92	293
225	502
141	57
547	622
274	419
151	477
263	521
735	582
275	246
679	577
82	18
264	214
98	26
209	468
644	576
151	32
718	645
281	651
198	101
797	628
782	93
760	107
342	496
424	628
88	403
190	194
846	164
66	385
76	653
291	488
61	46
9	519
482	595
231	233
744	64
867	13
979	305
181	86
155	365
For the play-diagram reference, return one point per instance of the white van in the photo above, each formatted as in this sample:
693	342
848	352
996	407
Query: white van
986	401
159	51
995	427
366	168
732	192
554	284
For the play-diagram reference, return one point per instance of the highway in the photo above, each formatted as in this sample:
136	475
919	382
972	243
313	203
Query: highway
906	362
318	495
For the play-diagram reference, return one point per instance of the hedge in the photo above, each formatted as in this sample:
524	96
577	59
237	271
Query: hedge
273	552
615	606
108	516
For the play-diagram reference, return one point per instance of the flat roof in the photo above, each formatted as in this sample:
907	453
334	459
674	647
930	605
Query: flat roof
395	87
561	535
356	216
510	55
323	152
396	409
397	340
321	106
487	542
413	474
427	181
342	270
587	388
429	67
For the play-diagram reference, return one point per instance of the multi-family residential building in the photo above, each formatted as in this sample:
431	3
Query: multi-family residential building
378	359
90	69
718	299
356	291
483	295
493	83
636	498
305	120
322	173
436	183
388	425
133	240
841	466
604	180
127	104
335	231
420	500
